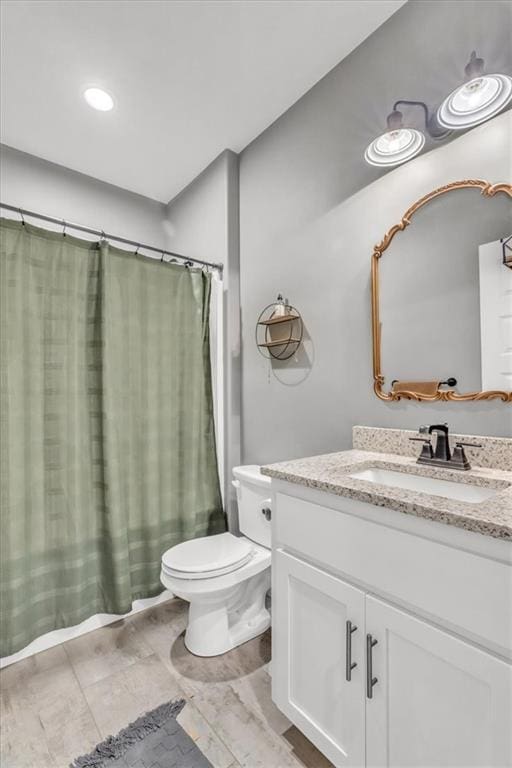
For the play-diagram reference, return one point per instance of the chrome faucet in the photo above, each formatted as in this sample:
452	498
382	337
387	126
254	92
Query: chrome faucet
442	456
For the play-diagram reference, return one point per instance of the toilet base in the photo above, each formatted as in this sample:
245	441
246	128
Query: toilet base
242	635
220	621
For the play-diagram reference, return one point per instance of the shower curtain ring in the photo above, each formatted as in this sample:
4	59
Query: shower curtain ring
137	250
63	228
22	217
162	257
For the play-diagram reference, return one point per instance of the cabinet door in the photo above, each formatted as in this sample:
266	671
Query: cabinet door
437	700
310	611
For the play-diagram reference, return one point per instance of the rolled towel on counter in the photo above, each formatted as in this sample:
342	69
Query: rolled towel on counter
419	387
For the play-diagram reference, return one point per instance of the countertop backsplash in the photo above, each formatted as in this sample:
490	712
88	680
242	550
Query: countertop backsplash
495	453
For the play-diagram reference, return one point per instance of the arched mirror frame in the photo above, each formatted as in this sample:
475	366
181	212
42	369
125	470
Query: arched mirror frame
488	190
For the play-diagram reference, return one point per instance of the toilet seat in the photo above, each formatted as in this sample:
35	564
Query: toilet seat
187	587
207	557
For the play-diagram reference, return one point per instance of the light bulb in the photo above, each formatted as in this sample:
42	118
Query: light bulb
394	147
99	99
476	101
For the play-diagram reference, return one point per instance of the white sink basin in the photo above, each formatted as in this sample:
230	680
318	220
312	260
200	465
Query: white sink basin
471	494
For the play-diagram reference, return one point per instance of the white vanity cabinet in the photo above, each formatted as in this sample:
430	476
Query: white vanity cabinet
442	679
438	700
311	658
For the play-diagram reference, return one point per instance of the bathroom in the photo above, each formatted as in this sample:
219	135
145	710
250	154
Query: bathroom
256	392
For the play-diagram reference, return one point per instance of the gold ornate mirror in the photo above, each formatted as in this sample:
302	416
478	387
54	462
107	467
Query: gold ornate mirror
442	295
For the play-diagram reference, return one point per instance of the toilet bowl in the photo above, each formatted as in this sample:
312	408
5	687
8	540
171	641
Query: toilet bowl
225	578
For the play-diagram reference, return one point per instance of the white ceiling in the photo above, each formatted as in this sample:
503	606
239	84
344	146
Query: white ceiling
190	79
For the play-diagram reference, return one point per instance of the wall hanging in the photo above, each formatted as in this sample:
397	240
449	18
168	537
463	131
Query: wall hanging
279	330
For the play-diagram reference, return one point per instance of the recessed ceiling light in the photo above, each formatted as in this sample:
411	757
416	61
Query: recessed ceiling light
99	99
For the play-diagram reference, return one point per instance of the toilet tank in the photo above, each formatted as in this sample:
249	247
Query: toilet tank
253	496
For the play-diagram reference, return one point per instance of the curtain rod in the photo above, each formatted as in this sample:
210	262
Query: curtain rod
107	236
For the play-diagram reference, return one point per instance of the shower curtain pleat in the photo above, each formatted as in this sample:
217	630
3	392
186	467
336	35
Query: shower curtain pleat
108	447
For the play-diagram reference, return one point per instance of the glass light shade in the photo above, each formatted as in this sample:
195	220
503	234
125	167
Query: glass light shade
394	147
476	101
99	99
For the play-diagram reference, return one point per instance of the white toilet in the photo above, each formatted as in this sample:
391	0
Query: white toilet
225	578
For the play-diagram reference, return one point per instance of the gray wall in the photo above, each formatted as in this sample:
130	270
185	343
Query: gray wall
311	210
30	182
195	220
202	221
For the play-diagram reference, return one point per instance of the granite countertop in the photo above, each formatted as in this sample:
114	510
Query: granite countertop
331	473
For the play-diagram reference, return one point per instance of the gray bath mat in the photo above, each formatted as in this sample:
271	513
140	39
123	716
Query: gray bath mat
155	740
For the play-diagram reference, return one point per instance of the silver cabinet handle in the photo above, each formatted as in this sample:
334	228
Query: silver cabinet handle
349	664
370	680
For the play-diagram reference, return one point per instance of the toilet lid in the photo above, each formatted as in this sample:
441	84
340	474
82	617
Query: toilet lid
207	556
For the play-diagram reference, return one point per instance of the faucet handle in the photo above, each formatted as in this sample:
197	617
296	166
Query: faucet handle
423	430
459	458
426	452
460	443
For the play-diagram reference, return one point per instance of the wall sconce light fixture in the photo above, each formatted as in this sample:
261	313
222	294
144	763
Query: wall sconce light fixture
477	100
395	147
401	143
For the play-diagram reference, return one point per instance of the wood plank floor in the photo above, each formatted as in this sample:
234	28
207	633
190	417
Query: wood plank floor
60	703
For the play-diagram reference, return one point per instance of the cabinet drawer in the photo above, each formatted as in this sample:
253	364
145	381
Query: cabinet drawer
469	593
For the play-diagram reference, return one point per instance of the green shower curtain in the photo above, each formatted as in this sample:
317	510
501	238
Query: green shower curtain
108	449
